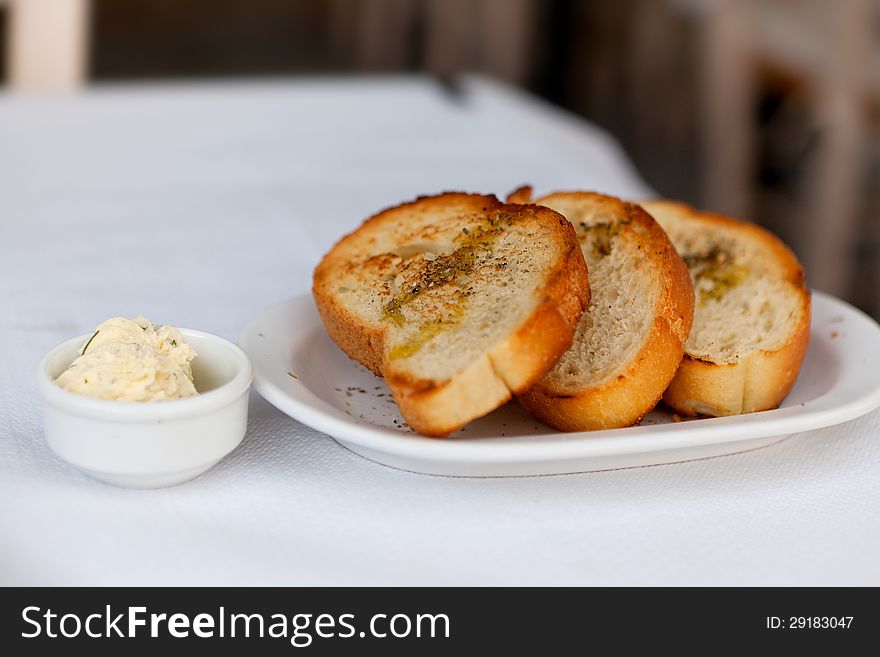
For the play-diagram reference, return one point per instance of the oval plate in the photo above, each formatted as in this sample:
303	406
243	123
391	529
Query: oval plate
299	370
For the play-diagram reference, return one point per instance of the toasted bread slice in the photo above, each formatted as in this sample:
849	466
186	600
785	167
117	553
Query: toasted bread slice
752	314
631	338
458	300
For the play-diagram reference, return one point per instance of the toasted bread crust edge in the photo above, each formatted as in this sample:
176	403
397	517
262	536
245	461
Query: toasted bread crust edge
625	400
362	344
511	367
762	379
759	382
524	357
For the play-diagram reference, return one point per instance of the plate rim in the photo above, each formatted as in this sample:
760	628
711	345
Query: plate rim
306	407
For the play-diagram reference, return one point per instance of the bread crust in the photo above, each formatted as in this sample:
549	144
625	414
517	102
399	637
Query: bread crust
761	379
437	408
625	399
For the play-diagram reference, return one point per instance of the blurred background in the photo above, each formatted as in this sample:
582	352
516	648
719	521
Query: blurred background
763	109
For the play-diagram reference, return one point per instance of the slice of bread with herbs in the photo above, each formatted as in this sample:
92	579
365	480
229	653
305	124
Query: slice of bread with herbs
631	338
752	314
458	300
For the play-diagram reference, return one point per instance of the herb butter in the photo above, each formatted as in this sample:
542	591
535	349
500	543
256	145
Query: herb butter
132	360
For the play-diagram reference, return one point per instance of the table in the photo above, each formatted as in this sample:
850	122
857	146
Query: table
200	205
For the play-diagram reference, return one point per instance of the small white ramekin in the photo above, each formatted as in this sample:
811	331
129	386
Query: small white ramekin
155	444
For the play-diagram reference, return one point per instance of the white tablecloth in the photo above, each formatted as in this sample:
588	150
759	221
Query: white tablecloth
200	205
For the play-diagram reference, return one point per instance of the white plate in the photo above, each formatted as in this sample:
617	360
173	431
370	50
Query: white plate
298	369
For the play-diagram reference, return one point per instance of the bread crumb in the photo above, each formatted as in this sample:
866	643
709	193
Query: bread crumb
676	417
834	334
